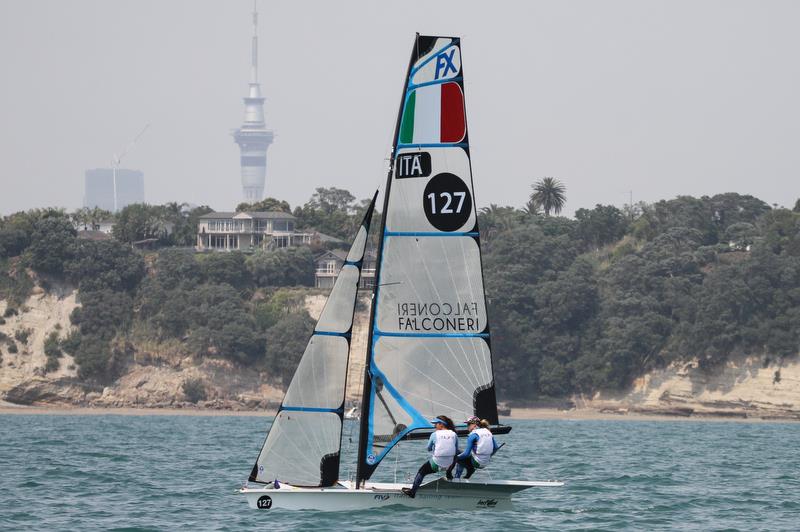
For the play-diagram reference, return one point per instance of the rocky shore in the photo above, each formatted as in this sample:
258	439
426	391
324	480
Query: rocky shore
160	378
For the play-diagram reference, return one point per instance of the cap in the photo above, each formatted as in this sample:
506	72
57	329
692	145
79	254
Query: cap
437	420
473	420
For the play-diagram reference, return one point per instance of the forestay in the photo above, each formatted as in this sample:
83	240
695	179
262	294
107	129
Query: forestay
303	445
429	351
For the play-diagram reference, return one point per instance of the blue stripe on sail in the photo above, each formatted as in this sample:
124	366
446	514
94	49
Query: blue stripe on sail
411	86
431	335
434	145
418	421
428	233
310	409
329	333
356	263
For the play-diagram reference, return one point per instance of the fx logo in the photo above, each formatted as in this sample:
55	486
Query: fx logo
445	61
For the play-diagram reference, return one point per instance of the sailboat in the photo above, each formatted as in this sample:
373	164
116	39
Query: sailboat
428	351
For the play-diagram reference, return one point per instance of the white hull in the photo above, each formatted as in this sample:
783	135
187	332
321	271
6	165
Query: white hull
438	493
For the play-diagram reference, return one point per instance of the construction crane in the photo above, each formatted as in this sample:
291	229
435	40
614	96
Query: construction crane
117	159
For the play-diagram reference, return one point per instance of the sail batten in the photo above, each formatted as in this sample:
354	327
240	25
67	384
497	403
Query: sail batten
429	347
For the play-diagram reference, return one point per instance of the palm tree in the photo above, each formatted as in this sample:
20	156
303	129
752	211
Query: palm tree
549	194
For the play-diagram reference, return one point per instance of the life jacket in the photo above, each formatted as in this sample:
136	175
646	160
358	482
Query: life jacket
482	452
444	448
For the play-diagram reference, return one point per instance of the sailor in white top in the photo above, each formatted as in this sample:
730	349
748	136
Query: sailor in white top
443	444
480	447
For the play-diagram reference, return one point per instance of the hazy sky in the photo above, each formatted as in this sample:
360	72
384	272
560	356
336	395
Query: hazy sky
661	98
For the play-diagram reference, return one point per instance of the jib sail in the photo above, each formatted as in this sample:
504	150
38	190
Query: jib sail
303	445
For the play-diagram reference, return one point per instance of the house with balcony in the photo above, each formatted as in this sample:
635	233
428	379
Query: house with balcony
329	263
250	231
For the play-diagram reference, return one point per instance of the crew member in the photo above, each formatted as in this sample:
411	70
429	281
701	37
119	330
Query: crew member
480	447
443	444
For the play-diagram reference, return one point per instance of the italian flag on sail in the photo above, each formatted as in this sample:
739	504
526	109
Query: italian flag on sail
434	114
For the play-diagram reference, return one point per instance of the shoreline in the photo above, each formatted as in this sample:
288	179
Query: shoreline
535	414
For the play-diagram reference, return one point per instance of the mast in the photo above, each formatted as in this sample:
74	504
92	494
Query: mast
429	350
367	392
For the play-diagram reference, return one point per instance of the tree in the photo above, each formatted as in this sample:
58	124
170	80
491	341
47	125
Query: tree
225	268
95	265
797	206
602	225
329	200
286	341
140	221
52	244
282	267
549	194
267	204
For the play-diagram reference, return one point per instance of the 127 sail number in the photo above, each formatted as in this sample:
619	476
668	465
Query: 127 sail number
448	199
447	202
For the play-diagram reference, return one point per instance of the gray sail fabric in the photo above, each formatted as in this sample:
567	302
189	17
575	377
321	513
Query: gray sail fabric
436	375
359	244
337	316
431	285
297	447
317	382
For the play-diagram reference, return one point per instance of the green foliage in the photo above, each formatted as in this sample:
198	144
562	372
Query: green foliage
52	243
15	284
52	350
105	264
225	268
282	267
12	347
331	211
194	390
282	303
13	241
138	222
549	194
21	335
286	341
600	226
267	204
176	267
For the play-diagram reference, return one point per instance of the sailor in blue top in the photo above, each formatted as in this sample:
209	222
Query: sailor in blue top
443	444
479	449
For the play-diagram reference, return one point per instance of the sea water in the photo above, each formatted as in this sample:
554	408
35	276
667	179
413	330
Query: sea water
84	472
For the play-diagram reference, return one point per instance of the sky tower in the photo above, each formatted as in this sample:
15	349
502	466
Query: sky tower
253	137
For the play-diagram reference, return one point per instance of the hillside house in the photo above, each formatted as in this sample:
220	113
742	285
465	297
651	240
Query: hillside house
249	231
329	263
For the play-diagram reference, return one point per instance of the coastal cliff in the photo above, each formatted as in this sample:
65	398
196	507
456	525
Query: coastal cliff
743	387
156	374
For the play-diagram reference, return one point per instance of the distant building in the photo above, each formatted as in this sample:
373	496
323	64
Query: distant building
329	263
253	137
99	188
249	231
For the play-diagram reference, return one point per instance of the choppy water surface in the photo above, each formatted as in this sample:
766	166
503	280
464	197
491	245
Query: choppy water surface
169	472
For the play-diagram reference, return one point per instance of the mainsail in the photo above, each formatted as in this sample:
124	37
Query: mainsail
303	445
428	351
